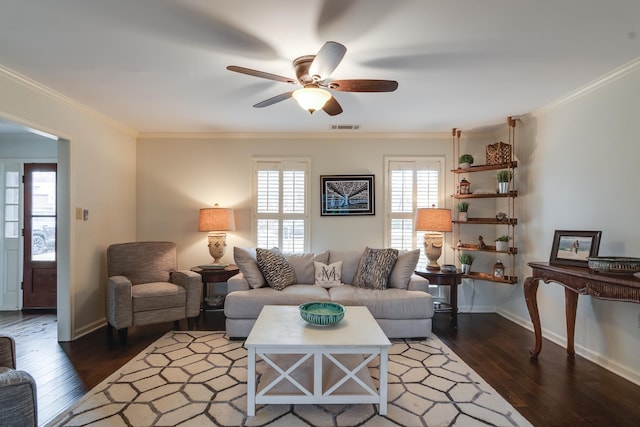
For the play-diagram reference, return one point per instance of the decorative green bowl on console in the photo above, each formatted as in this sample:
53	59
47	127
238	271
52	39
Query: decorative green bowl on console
614	265
322	313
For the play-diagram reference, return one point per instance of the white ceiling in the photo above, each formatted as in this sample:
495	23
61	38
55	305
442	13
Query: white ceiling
159	65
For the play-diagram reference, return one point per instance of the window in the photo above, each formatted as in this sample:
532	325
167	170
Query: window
11	205
281	204
411	183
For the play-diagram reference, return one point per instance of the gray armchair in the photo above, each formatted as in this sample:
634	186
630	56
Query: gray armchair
145	286
18	397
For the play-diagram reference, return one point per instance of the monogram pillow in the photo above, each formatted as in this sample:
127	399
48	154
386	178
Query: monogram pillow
328	276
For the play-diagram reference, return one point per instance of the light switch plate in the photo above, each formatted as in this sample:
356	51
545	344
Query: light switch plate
78	213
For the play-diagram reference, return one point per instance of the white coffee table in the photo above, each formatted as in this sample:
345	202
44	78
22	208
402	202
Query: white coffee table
316	364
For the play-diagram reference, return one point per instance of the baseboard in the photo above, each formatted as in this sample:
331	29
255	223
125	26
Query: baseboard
94	326
462	309
592	356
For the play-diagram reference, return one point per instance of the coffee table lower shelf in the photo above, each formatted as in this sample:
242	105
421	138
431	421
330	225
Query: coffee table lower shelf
319	377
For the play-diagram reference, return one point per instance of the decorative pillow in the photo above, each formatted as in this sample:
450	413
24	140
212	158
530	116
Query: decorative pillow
276	269
246	261
375	268
303	265
404	268
328	276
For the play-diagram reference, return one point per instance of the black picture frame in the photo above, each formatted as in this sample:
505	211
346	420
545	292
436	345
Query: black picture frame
346	195
574	247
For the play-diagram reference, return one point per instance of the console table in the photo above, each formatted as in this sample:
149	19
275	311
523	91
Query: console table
576	281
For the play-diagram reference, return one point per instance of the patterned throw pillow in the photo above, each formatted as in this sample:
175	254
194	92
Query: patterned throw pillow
375	267
328	276
275	268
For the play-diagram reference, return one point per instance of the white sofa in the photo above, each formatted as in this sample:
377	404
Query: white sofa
403	310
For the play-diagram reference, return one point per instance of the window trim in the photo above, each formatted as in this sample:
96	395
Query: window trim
254	192
387	189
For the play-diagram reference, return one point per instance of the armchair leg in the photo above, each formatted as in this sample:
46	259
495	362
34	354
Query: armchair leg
122	335
176	325
191	323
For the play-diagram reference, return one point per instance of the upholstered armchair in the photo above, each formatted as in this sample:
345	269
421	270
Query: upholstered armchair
145	286
18	397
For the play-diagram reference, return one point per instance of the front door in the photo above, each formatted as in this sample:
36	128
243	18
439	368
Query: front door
40	266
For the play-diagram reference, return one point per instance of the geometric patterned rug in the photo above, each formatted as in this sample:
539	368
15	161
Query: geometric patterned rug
199	378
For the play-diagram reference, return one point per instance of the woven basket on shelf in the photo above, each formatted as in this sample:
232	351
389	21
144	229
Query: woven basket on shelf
498	153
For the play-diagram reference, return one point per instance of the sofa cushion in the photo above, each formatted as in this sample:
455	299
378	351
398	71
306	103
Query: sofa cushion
387	303
247	304
350	262
303	265
328	276
246	261
403	269
275	268
375	268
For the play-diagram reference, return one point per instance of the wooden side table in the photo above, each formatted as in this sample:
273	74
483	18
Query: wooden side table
439	278
214	275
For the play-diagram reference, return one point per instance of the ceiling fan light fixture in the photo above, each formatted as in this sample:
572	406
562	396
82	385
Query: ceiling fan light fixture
311	98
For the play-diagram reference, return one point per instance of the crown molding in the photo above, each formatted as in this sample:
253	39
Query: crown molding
43	90
599	83
295	135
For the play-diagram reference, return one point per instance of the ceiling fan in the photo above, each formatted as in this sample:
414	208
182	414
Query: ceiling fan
312	72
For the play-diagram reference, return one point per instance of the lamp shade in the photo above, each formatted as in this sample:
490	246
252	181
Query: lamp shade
216	219
433	219
311	98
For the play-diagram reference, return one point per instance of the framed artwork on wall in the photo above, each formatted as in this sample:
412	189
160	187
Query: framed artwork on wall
574	247
347	195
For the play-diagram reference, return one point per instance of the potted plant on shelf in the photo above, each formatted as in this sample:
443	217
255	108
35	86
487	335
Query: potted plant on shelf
503	181
465	261
465	161
463	208
502	243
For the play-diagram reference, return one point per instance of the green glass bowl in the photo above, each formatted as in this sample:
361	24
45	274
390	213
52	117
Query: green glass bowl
322	313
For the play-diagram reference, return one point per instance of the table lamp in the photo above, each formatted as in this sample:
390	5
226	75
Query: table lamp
216	221
433	221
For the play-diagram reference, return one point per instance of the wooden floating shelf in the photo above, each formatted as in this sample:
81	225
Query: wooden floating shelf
485	196
481	168
489	278
468	247
491	221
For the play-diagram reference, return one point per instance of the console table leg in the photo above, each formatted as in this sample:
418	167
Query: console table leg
530	295
571	305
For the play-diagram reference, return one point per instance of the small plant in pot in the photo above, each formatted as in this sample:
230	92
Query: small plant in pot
503	181
463	208
502	243
465	161
465	261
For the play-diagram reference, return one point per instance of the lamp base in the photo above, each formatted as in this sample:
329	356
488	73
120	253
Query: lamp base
217	246
433	243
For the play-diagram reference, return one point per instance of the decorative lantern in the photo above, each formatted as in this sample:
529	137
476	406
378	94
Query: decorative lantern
465	186
498	270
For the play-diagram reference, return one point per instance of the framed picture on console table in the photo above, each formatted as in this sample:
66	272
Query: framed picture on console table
574	247
347	195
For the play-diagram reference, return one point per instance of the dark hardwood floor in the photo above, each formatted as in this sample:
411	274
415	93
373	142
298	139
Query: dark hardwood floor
553	391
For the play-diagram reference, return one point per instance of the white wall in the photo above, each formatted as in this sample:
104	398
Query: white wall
580	172
178	175
96	172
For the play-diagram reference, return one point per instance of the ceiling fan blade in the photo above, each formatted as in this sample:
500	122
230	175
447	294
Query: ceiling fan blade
327	59
274	99
331	107
363	85
262	74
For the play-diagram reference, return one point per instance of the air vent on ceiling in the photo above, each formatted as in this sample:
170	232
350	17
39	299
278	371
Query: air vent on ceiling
345	127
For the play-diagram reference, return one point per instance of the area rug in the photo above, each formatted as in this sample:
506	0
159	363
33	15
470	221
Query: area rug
199	378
